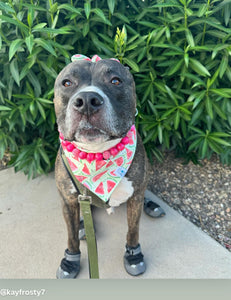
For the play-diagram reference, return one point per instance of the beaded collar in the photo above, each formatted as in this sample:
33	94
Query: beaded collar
101	172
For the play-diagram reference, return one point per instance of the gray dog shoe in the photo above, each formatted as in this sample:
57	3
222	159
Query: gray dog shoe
152	209
69	267
133	260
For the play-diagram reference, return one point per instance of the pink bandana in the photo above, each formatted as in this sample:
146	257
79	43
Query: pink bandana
95	58
101	174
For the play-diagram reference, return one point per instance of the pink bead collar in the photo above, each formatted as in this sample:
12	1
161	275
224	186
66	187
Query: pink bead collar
89	156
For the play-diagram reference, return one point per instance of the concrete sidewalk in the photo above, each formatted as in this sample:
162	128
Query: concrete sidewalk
33	237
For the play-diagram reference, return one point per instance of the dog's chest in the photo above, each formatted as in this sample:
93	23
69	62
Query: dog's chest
122	193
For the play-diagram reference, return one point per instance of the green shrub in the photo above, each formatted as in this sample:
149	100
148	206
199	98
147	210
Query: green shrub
178	50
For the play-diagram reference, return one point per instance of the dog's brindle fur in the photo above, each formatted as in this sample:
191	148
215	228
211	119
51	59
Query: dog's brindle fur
85	73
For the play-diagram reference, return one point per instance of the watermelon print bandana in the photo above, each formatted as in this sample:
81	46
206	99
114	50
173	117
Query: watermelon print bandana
102	176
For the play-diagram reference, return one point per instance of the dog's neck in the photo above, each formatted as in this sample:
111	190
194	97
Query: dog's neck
97	148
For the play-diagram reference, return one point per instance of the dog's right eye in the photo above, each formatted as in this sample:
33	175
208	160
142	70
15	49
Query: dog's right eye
66	83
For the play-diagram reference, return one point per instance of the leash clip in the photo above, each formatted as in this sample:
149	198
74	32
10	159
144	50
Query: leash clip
84	198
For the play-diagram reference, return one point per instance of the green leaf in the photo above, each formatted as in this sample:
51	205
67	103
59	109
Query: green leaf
202	10
214	146
186	60
196	115
122	17
30	17
56	31
220	134
204	148
50	71
41	110
177	120
147	24
45	101
219	111
171	94
14	71
70	8
219	141
195	78
195	144
131	64
160	133
197	130
86	29
218	26
17	23
87	9
198	67
149	136
53	8
35	82
46	45
39	26
30	42
111	5
6	7
100	14
213	79
218	48
4	108
189	38
168	46
209	107
168	113
223	65
33	109
222	92
227	12
185	110
163	5
14	46
44	155
174	68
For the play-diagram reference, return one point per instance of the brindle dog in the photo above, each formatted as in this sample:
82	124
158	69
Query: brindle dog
95	104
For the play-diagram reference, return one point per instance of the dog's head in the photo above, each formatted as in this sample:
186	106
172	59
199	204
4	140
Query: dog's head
95	102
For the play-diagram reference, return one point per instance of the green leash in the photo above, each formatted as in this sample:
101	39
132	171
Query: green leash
85	202
85	206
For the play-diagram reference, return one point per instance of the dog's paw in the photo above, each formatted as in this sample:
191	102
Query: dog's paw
134	261
69	267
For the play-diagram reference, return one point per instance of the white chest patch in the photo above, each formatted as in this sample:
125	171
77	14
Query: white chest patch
72	188
123	191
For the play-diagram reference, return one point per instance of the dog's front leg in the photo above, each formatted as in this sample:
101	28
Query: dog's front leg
71	216
134	209
70	264
133	258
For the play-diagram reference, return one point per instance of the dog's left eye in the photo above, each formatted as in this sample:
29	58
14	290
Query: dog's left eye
66	83
116	81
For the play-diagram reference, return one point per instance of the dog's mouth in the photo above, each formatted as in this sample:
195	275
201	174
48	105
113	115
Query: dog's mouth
90	135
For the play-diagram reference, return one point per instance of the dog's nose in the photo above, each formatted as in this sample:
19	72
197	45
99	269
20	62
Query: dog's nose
88	102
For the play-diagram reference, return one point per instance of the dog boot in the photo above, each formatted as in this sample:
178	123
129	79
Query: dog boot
152	209
133	260
69	267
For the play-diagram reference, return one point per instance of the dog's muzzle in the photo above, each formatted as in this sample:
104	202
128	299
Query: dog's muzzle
87	103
